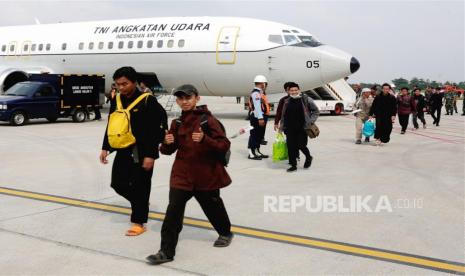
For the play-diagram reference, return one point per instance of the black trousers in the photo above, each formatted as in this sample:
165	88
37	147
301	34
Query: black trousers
419	115
383	129
403	121
212	205
133	183
255	137
296	140
436	111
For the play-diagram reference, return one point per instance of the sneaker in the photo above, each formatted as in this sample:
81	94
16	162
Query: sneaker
223	241
159	258
358	142
308	162
367	139
292	169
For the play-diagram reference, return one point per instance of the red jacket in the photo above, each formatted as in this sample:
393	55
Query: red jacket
405	105
196	167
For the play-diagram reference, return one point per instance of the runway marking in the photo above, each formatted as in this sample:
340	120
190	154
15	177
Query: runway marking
328	245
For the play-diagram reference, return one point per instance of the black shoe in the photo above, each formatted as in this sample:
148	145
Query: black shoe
254	157
223	241
292	169
159	258
262	155
264	143
308	162
367	139
358	142
402	132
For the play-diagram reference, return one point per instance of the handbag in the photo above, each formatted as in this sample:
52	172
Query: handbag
313	131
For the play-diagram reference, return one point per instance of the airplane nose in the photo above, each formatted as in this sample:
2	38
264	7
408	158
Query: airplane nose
354	65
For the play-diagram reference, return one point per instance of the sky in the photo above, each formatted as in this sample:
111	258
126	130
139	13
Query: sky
391	39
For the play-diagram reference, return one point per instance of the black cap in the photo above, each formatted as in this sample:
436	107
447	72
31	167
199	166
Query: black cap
186	89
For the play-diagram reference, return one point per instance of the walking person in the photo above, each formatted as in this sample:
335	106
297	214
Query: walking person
405	106
384	109
420	109
364	103
134	161
436	105
299	112
199	139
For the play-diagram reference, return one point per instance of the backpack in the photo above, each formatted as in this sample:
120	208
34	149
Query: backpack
223	157
119	125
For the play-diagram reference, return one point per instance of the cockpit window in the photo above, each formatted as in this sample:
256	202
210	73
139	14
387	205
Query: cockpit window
276	39
291	40
310	41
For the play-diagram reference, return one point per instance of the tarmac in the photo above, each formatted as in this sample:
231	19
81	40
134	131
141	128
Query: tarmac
59	216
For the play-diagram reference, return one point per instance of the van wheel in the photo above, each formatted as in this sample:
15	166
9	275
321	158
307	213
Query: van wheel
338	109
79	116
18	118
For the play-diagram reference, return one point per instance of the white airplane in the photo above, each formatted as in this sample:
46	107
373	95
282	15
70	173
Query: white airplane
219	55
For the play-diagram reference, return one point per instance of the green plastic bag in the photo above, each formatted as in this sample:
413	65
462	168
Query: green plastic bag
280	148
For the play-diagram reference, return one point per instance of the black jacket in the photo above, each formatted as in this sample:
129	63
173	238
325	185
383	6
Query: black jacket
436	99
147	121
384	106
420	102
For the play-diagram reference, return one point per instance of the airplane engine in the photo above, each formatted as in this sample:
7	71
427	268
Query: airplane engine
11	76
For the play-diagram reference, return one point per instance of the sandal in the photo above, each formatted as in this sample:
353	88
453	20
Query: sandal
159	258
136	230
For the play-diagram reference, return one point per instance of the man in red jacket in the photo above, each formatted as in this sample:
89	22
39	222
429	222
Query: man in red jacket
197	172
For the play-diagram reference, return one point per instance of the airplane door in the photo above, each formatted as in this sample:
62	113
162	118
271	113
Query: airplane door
226	45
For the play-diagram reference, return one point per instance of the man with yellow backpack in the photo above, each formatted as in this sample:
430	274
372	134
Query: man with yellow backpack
136	126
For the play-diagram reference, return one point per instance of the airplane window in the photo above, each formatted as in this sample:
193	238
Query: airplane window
150	44
140	43
3	48
110	45
47	47
63	46
33	47
100	45
295	31
12	48
41	47
310	41
91	45
26	47
121	44
290	39
181	43
276	39
170	43
286	31
81	46
130	44
160	43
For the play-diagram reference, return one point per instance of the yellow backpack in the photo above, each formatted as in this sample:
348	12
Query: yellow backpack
119	125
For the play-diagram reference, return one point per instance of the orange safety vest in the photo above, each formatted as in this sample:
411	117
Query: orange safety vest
264	104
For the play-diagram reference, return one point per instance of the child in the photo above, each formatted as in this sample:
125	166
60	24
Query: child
197	172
